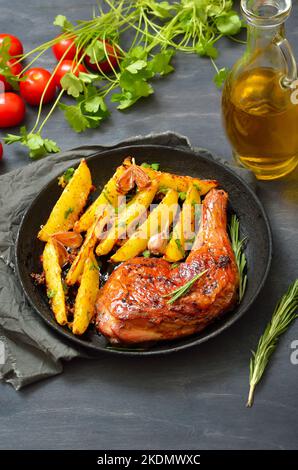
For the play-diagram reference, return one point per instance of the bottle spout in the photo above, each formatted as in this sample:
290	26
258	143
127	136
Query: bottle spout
266	13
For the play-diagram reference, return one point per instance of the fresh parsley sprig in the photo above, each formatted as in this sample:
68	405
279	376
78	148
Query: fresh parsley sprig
37	145
160	29
285	312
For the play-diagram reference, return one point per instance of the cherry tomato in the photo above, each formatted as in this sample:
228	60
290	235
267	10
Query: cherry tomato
16	47
16	68
12	110
67	66
1	151
61	47
32	88
105	65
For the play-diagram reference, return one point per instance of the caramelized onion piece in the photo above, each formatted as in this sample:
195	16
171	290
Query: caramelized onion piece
131	176
69	239
61	250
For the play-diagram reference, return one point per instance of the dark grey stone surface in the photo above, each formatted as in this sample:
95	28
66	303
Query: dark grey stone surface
194	399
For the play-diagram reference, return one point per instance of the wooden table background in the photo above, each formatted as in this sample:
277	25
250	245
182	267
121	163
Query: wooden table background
194	399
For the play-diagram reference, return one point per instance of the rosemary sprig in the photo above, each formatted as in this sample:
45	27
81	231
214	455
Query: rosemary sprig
238	246
285	312
182	290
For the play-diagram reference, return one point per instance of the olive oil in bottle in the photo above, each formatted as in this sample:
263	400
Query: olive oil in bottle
259	100
261	121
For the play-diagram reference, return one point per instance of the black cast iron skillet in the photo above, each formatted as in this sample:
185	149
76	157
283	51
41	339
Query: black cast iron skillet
253	225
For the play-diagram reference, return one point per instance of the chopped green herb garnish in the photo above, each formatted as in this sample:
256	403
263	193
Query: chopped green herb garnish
51	293
155	166
94	267
66	177
68	212
180	247
146	254
163	189
68	174
65	287
182	195
174	265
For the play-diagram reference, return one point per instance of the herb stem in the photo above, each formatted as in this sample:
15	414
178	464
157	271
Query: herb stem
285	312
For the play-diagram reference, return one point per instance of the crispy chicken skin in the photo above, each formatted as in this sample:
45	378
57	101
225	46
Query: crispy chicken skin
131	307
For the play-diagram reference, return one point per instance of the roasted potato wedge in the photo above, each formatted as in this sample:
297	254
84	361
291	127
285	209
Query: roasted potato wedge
70	204
158	220
175	249
109	195
55	291
86	249
86	296
180	183
134	210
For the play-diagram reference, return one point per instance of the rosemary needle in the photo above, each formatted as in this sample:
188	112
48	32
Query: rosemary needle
182	290
285	312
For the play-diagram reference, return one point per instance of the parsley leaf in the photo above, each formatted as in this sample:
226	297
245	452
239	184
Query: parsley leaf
126	99
136	66
221	76
137	52
133	88
205	48
94	103
88	77
88	112
160	64
228	23
161	10
63	22
72	84
96	52
75	117
38	147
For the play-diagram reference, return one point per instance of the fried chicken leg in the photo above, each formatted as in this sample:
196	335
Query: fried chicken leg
132	307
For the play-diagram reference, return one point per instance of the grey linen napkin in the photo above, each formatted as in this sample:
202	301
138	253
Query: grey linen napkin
29	349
